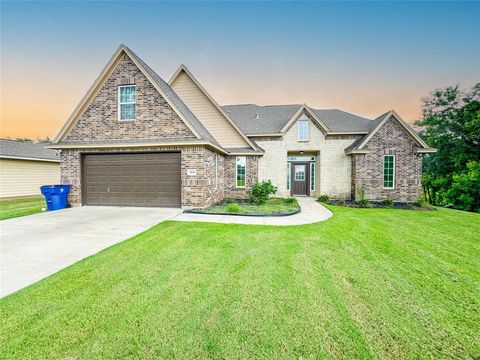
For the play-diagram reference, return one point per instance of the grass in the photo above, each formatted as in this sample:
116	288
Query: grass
21	207
365	284
272	206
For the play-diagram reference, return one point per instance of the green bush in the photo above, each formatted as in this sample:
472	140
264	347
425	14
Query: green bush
323	198
261	191
233	208
341	202
363	201
388	202
419	203
291	200
464	193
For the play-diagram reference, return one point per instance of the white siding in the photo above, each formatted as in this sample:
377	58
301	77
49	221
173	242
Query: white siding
333	167
24	177
207	112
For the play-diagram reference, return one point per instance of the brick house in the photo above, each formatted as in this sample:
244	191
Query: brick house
136	140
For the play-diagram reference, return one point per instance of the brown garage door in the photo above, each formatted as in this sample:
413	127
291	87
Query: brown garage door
137	179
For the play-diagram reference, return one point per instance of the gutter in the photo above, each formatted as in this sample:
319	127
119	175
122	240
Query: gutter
426	151
27	158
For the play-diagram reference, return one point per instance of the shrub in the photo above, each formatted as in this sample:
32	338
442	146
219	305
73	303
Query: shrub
388	202
261	191
233	208
363	201
291	200
341	202
323	198
419	203
464	192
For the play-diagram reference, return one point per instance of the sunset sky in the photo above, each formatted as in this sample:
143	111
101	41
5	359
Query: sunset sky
362	57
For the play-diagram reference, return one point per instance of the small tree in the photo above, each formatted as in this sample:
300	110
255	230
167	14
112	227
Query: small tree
363	201
261	191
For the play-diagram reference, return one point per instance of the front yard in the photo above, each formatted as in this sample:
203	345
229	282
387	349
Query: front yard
21	207
367	283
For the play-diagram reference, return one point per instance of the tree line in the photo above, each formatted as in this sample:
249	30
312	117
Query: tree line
451	123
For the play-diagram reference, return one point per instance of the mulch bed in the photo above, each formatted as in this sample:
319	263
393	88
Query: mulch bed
379	205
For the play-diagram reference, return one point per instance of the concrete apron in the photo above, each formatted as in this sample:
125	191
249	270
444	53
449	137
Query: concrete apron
36	246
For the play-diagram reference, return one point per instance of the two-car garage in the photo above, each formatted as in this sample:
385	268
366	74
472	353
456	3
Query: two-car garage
132	179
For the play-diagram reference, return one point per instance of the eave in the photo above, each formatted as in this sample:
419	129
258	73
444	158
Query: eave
356	152
137	145
265	135
426	151
27	158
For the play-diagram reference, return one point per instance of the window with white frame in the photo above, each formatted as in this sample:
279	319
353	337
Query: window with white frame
312	176
299	172
240	167
389	171
126	102
302	130
289	175
216	170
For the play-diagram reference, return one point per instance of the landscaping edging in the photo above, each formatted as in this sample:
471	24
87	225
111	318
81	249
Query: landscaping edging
199	211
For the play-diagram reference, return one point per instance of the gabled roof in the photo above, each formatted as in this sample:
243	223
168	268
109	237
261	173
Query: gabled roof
184	69
271	119
27	150
179	104
357	147
304	109
162	87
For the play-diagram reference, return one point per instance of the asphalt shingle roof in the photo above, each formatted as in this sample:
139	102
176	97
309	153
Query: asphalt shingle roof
27	149
172	95
339	120
270	119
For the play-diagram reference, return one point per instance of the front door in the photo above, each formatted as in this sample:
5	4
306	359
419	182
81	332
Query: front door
300	178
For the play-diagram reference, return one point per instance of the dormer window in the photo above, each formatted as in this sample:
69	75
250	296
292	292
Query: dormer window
126	102
302	130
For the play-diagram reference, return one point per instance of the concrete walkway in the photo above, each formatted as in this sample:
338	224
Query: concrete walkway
36	246
311	212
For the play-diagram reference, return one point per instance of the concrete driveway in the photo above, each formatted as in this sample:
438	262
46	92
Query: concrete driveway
36	246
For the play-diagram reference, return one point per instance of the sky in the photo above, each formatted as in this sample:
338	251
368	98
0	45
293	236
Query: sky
361	57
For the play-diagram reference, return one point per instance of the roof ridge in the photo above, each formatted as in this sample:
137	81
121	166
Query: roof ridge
346	112
310	107
204	131
250	104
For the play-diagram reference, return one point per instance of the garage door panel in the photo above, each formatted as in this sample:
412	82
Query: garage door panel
143	179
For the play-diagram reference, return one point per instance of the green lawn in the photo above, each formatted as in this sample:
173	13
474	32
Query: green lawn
21	207
365	284
272	206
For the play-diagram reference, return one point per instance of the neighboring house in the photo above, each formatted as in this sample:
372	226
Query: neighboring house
135	140
25	166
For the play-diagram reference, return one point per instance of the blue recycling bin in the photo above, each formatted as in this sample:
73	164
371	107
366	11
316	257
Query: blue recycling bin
56	196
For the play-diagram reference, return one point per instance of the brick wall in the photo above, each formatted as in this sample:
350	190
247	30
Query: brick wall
204	188
197	191
251	176
155	118
367	169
